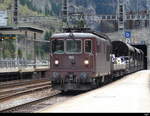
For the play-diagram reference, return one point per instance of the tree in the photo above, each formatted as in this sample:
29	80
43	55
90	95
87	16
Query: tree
81	24
20	53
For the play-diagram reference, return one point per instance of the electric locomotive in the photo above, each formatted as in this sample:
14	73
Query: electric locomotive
80	60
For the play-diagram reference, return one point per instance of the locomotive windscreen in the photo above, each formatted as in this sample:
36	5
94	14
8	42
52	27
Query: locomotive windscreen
73	46
58	46
68	46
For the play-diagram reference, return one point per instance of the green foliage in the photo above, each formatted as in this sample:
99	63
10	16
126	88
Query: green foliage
6	5
45	46
20	53
23	2
56	8
47	35
6	54
28	4
48	12
27	12
28	8
80	24
8	48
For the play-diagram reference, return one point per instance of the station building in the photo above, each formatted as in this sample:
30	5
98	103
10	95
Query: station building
24	48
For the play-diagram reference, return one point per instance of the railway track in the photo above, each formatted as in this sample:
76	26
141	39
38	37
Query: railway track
9	84
6	94
10	94
33	107
28	107
29	96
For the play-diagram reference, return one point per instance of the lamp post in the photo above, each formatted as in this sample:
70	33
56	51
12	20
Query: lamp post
1	50
1	46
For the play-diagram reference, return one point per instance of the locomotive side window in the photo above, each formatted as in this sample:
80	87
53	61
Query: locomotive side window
88	46
73	46
58	46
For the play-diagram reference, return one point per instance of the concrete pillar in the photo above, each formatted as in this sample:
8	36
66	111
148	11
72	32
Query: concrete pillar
148	54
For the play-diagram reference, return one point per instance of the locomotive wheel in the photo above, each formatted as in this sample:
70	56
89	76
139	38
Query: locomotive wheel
98	81
108	79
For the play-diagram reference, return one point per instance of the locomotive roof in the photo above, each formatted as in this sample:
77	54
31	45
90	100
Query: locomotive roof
80	35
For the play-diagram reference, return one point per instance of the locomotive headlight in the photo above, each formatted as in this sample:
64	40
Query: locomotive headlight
56	62
86	62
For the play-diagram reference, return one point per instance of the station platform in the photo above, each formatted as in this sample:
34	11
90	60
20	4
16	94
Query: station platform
130	94
24	69
13	66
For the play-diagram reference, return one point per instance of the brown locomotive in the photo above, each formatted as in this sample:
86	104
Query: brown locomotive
82	60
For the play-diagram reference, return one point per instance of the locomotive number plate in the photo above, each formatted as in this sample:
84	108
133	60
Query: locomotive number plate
71	57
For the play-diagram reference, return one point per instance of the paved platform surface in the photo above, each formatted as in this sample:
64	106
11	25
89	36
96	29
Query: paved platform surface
130	94
23	69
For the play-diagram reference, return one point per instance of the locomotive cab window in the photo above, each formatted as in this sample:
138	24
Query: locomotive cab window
88	46
73	46
58	46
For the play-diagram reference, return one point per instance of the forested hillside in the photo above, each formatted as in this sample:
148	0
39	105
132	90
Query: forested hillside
46	7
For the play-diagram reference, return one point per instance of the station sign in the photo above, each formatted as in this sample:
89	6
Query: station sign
128	40
127	34
7	36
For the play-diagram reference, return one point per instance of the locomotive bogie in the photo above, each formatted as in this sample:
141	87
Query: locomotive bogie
72	80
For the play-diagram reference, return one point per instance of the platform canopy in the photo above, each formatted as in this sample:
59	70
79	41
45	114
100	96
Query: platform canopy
21	28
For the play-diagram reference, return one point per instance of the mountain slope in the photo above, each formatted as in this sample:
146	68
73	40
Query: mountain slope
46	7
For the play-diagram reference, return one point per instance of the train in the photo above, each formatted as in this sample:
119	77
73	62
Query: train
81	59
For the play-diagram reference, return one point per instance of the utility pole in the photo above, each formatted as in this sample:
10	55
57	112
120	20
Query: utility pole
65	11
121	16
34	49
15	12
15	22
1	47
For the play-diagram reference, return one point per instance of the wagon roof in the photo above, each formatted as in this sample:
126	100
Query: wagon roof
122	48
123	45
137	50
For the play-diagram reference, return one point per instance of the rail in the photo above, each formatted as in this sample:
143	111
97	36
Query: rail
13	92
